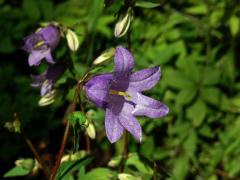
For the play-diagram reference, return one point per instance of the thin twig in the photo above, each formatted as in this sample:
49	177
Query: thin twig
34	151
66	133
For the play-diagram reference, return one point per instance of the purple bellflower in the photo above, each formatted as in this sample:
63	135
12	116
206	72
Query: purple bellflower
47	79
41	44
119	93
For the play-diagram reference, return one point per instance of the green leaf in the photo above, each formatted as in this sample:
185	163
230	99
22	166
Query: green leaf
190	143
211	95
186	96
17	171
197	112
211	76
146	4
234	24
135	161
69	166
98	174
77	117
181	168
198	10
176	79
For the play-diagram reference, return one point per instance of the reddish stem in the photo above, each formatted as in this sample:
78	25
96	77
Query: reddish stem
66	133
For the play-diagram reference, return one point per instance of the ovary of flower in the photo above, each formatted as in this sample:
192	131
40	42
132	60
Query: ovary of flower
120	93
39	44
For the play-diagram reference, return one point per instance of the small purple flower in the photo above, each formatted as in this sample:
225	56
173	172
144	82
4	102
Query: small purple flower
47	79
41	44
119	93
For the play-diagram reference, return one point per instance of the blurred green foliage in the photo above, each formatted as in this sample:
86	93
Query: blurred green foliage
196	43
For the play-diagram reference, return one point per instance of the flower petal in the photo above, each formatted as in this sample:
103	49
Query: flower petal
97	89
51	36
46	87
149	107
38	79
145	79
36	56
113	128
124	63
49	58
130	123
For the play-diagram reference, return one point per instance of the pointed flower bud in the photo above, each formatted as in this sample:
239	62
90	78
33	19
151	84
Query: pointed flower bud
123	23
72	40
106	55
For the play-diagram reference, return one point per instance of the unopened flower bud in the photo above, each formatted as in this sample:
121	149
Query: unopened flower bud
123	23
105	56
72	40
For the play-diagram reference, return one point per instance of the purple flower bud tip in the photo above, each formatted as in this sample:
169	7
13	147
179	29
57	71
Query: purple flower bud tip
120	94
41	44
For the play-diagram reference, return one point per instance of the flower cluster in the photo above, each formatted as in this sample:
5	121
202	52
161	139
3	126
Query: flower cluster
120	94
40	45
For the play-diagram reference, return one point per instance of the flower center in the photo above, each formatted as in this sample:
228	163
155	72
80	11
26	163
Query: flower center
38	44
120	93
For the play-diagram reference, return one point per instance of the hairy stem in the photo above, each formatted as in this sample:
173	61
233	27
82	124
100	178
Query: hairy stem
66	134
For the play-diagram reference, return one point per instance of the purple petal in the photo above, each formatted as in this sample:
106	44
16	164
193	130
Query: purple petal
113	128
129	122
54	72
145	79
149	107
36	56
49	58
97	89
123	62
51	36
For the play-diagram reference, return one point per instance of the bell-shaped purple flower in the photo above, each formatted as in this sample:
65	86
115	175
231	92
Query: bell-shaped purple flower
47	79
120	94
41	44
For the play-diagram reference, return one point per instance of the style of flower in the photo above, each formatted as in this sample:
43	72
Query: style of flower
47	79
120	94
41	44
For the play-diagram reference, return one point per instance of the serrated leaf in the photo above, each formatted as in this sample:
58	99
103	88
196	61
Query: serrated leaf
17	171
72	40
146	4
197	112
